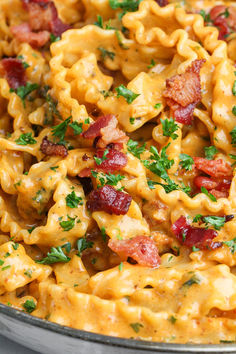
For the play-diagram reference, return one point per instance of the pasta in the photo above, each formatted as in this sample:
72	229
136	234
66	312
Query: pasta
117	156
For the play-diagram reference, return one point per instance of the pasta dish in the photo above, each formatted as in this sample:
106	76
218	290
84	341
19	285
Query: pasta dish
117	156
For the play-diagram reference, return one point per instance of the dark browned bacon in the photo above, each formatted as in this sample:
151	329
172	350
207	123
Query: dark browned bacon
14	72
215	168
115	160
141	248
51	149
183	92
110	200
162	3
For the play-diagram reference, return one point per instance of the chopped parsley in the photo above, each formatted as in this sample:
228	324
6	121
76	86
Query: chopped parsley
1	262
193	280
103	232
77	127
129	95
26	139
99	160
106	53
231	244
24	91
121	266
68	224
99	21
195	249
197	218
216	221
120	40
206	17
157	106
136	326
54	38
29	306
151	184
28	273
152	64
211	196
234	88
60	129
135	149
210	152
72	200
25	65
233	136
39	195
55	255
107	178
54	168
172	319
132	120
31	229
125	5
169	128
15	246
234	110
82	245
186	162
67	247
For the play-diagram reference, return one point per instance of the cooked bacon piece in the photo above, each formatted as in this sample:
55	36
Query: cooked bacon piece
43	20
50	149
95	129
43	15
162	3
194	236
14	72
24	34
141	248
115	160
224	18
110	200
215	168
183	92
86	172
220	189
105	127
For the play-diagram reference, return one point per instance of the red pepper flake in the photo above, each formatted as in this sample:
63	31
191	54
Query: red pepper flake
140	248
14	72
110	200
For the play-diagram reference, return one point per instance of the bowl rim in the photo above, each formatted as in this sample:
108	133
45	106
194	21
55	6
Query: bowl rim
113	341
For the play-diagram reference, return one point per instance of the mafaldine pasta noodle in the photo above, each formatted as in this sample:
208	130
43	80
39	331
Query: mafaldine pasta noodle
117	166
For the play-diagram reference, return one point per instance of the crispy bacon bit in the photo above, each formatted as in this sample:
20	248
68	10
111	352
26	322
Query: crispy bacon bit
162	3
14	72
115	160
110	200
225	23
50	149
206	182
141	248
106	129
86	172
220	189
215	168
24	34
183	92
43	20
194	236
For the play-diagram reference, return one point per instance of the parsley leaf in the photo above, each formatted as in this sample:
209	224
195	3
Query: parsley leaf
169	128
99	160
67	225
103	232
106	53
26	139
72	200
152	64
25	65
197	218
77	127
120	267
99	21
60	129
29	306
52	109
129	95
157	106
234	110
134	149
210	152
234	88
108	178
211	196
54	256
136	326
54	38
126	5
120	40
161	162
132	120
231	244
233	136
216	221
186	162
24	91
193	280
82	245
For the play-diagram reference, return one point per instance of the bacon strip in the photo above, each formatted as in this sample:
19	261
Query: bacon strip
14	72
226	25
43	20
215	168
106	129
141	248
110	200
115	160
220	189
50	149
194	236
183	92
